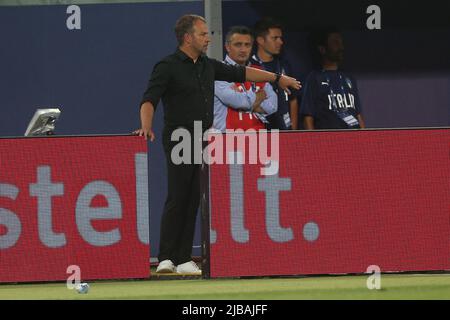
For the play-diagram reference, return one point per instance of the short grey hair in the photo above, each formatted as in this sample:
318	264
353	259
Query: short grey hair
185	24
239	30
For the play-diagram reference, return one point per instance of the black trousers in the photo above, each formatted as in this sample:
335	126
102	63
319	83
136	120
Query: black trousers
181	206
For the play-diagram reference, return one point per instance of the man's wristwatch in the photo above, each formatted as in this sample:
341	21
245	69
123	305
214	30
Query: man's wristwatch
277	79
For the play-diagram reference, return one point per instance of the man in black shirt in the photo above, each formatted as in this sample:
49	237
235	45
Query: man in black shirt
185	83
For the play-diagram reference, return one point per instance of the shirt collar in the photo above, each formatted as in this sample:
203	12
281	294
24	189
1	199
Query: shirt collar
256	58
180	54
230	61
183	56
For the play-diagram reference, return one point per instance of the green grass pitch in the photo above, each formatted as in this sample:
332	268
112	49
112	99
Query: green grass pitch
393	286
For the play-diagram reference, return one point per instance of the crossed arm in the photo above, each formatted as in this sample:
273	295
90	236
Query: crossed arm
251	74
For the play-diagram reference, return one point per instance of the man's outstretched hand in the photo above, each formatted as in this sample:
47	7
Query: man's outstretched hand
287	82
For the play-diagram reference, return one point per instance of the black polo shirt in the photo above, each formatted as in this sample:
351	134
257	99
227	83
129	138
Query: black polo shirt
187	88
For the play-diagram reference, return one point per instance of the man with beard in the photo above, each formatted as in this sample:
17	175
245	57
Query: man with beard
184	81
330	96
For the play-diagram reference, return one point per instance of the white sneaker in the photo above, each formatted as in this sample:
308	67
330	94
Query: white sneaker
166	266
189	268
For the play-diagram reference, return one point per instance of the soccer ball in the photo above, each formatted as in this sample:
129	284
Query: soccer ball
82	288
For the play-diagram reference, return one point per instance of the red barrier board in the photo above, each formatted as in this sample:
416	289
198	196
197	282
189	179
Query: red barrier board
340	202
68	201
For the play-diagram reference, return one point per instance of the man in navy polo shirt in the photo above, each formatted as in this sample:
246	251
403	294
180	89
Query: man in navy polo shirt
269	42
330	96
